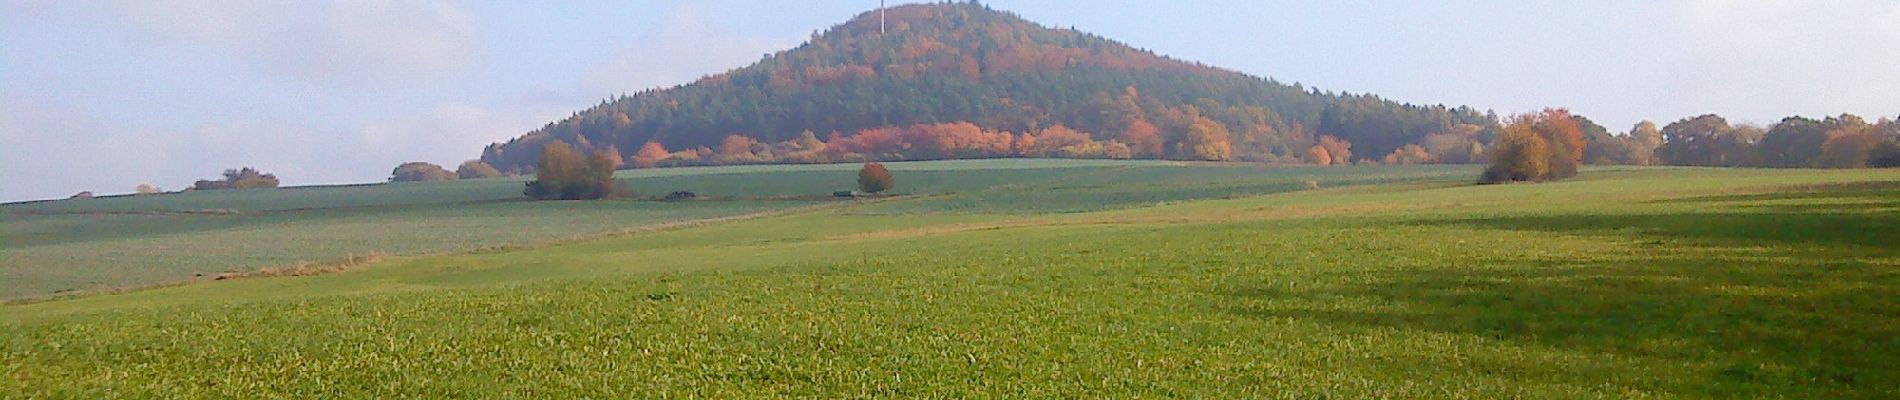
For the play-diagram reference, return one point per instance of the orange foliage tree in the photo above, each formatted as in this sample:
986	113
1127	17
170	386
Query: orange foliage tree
1054	138
1521	154
1339	149
874	178
649	155
1143	139
1317	155
1206	140
1408	155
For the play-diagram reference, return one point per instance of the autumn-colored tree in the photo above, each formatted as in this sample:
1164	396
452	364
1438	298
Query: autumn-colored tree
1116	150
1144	139
1054	138
649	155
1408	155
808	141
1647	134
874	142
562	174
736	149
954	140
1206	140
147	188
420	171
736	145
1317	155
1456	145
476	169
1519	155
613	156
1339	149
1849	147
1562	131
874	178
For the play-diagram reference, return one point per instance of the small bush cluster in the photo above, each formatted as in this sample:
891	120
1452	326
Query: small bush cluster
563	174
243	178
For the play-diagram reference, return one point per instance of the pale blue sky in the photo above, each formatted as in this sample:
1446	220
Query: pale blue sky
103	96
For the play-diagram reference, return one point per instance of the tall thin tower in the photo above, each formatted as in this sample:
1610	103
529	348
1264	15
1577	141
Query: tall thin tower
880	17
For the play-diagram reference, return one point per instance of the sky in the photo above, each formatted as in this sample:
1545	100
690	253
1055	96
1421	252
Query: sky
105	95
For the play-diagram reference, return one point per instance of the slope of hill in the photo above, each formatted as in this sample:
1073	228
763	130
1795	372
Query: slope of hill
964	62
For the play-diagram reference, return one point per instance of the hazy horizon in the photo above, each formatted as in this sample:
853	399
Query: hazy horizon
103	96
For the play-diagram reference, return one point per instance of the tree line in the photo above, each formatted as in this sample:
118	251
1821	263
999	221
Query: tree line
1550	144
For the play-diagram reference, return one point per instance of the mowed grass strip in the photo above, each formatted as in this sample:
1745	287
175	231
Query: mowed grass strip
1625	284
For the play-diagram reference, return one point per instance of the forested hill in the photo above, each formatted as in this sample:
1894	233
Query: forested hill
986	83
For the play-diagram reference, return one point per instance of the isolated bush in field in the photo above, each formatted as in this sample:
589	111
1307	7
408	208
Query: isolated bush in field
147	188
1563	135
419	172
476	169
874	178
562	174
243	178
1884	155
1518	155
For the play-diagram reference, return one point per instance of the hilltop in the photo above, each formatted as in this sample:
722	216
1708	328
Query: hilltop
938	64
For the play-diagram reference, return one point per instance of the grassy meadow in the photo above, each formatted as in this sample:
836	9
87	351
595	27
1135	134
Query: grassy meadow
99	244
1043	279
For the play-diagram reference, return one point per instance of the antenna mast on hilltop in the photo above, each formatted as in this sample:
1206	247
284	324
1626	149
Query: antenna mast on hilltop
880	17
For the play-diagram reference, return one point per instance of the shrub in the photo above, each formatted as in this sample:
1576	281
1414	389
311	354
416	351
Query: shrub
147	188
419	172
874	178
1518	155
476	169
562	174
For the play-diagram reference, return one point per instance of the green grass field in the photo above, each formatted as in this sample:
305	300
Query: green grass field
97	244
1095	281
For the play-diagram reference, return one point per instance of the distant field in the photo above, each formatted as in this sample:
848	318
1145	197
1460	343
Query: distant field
1625	283
92	244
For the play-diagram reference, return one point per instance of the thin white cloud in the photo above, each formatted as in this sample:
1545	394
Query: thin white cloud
355	40
684	47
